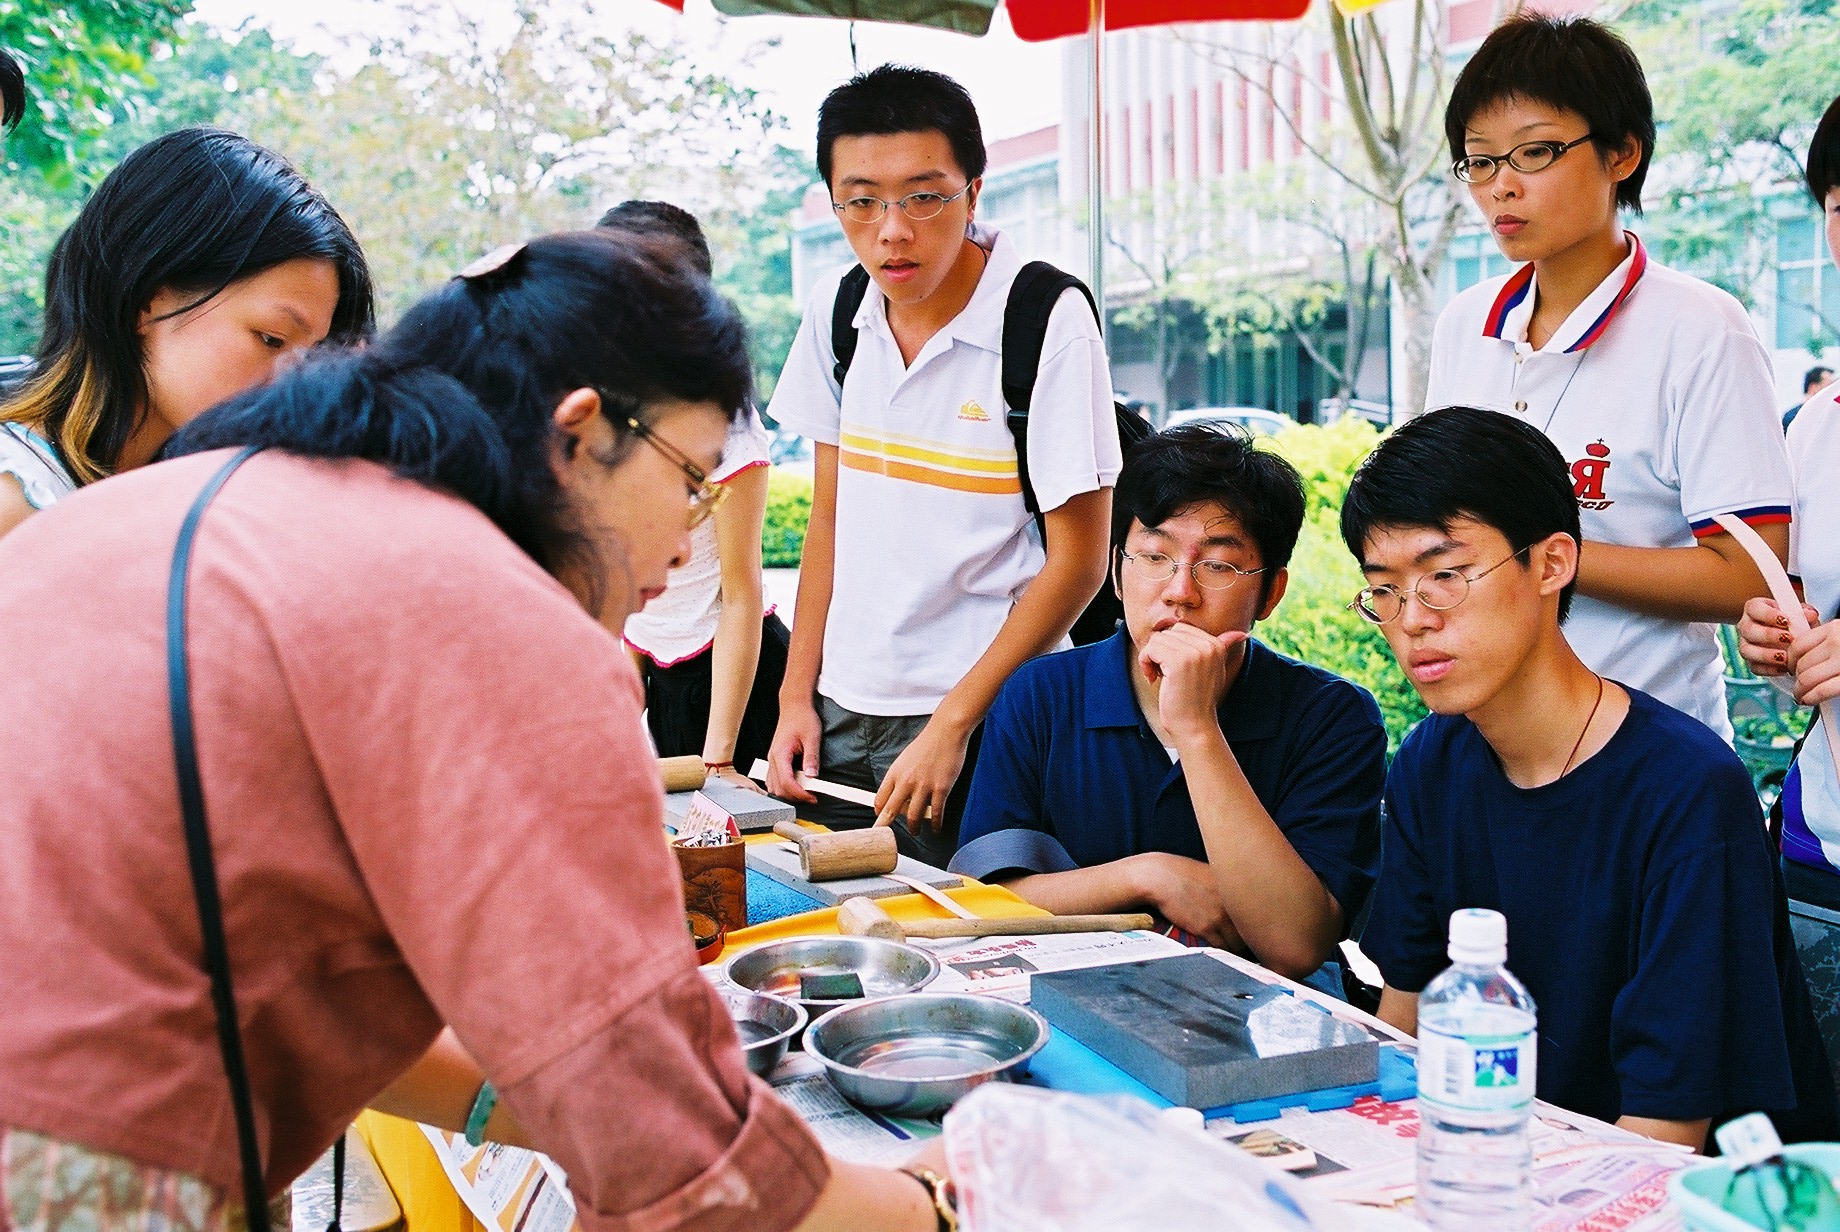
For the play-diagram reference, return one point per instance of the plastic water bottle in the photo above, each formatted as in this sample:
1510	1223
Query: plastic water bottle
1476	1053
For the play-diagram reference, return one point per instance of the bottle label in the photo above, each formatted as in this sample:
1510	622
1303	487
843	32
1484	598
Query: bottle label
1476	1073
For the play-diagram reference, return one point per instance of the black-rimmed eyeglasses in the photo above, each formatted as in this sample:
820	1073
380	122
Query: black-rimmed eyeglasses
1527	158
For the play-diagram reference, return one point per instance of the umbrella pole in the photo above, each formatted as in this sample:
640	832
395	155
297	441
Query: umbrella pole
1095	162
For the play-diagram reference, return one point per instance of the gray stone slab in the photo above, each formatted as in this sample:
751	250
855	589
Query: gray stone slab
781	863
1202	1034
752	810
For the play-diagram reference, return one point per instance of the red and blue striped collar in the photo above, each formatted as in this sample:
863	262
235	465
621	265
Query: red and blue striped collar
1519	286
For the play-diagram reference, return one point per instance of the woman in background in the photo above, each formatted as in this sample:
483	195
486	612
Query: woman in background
197	269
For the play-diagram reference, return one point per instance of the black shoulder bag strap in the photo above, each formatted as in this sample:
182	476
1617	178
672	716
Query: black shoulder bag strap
1032	298
850	293
198	852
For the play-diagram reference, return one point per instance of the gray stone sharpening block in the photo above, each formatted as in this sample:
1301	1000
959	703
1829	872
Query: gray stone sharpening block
752	811
781	863
1203	1035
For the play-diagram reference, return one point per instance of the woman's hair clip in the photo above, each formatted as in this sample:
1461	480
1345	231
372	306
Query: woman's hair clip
492	262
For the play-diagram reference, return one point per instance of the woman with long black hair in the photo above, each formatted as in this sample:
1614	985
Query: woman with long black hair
197	269
430	795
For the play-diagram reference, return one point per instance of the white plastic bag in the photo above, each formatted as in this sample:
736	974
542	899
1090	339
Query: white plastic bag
1029	1160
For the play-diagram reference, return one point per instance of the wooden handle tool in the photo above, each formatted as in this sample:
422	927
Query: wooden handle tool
845	853
683	773
818	787
863	917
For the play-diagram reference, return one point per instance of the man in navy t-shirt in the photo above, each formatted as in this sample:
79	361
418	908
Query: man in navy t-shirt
1621	838
1181	767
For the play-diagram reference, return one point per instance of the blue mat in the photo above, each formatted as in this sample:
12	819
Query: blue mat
1065	1064
768	900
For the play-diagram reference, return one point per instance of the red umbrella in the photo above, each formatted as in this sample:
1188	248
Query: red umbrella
1036	21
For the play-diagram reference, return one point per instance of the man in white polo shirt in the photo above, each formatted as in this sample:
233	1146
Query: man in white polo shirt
925	581
1652	384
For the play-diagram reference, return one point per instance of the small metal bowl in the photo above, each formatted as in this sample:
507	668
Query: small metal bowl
885	968
916	1055
766	1025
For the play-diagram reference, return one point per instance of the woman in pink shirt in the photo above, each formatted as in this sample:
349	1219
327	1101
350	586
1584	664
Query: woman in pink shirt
430	794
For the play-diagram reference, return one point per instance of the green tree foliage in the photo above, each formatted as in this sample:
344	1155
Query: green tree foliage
1313	622
1738	89
86	63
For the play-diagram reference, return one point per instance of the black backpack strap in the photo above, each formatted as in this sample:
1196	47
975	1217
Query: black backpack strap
1032	297
850	294
198	855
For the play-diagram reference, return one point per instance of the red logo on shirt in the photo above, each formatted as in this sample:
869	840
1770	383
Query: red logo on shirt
1588	477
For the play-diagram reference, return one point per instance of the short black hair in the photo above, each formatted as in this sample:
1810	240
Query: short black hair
1824	155
1570	62
1181	467
661	217
898	98
1460	462
12	92
1814	375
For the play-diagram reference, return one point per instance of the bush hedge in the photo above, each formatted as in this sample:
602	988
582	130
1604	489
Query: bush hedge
782	538
1313	622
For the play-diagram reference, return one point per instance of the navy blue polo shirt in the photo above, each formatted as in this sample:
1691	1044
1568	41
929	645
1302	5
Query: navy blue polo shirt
1071	776
1645	914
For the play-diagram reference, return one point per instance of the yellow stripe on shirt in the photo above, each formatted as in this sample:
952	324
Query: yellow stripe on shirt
983	462
1009	485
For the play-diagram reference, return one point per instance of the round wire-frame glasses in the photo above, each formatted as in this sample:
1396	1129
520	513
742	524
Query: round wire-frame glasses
918	206
1440	591
1527	158
1208	574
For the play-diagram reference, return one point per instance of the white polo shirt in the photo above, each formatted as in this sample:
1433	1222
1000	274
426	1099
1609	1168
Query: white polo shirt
1811	796
934	544
1660	398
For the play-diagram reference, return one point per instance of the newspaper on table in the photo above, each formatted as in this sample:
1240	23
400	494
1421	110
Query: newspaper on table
506	1188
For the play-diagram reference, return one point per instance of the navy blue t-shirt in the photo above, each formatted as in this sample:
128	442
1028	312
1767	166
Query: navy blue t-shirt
1645	915
1071	776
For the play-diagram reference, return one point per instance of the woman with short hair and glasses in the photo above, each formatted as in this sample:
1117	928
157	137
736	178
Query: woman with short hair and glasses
1653	384
429	793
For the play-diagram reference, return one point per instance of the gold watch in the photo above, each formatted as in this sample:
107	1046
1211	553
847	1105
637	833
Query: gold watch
939	1188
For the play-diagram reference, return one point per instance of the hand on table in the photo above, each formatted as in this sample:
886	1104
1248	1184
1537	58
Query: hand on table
917	785
795	746
735	778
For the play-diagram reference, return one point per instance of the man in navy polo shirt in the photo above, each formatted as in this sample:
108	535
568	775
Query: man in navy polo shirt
1182	767
1621	838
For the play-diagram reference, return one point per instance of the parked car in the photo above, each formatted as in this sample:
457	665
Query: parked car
14	369
1378	414
1253	418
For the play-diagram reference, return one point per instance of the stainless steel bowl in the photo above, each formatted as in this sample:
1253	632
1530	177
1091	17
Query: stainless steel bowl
766	1025
885	968
917	1055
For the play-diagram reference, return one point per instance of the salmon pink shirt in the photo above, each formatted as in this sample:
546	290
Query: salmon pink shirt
431	799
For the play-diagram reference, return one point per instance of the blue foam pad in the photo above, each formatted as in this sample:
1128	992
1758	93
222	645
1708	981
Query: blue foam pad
1065	1064
768	900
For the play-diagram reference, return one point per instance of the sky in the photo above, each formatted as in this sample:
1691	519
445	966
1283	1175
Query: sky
1015	84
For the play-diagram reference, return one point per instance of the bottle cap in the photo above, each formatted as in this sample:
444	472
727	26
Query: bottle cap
1749	1140
1478	937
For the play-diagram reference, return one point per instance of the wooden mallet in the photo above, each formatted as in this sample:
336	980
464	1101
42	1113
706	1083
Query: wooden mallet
845	853
863	917
683	773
